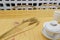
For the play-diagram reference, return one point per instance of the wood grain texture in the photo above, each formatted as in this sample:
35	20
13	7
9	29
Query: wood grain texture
7	19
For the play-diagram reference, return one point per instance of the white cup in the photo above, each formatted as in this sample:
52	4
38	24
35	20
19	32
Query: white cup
57	16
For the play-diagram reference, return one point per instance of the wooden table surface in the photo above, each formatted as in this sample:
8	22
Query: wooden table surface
8	18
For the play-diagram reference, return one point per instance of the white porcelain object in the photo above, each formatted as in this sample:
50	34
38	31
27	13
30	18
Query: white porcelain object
51	30
57	16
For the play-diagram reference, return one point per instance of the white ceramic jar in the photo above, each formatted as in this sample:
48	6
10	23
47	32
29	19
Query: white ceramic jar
57	16
51	30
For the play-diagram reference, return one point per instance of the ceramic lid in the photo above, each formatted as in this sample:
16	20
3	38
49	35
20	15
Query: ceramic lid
52	26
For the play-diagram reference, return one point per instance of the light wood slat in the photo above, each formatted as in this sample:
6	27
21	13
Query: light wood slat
7	22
